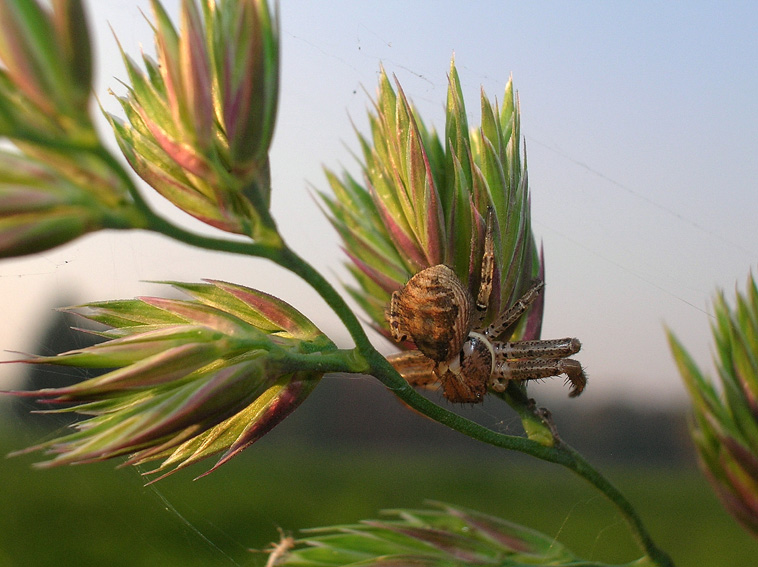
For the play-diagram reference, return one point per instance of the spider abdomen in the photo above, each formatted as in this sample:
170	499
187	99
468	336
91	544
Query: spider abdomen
435	311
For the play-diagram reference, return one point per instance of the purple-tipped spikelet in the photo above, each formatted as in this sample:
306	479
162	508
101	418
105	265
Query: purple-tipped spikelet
46	74
54	184
186	379
439	537
725	428
46	204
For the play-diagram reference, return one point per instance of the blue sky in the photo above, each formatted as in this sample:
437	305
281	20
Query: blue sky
641	128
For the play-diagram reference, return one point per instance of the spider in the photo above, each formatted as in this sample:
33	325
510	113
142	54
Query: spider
438	313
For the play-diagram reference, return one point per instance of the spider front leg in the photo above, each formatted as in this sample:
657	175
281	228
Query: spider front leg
487	274
488	268
533	360
414	367
515	311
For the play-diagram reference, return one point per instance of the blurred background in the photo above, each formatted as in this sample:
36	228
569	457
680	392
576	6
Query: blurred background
640	125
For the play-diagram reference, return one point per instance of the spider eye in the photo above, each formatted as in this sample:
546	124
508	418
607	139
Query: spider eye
468	347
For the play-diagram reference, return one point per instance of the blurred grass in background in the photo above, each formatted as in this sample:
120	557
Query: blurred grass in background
344	464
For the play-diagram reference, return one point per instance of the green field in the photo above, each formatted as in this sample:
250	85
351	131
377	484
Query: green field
98	515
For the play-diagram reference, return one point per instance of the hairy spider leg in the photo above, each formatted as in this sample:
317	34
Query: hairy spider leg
537	368
517	360
514	311
538	359
488	268
538	348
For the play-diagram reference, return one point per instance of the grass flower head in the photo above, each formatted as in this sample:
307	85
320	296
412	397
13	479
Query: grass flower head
200	119
185	379
423	201
725	428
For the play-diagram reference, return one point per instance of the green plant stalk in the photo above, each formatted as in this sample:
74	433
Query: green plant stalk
365	359
560	453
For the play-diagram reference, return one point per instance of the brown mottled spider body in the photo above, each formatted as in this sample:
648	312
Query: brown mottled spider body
438	313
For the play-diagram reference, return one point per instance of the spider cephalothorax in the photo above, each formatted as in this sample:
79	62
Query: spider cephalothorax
439	314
